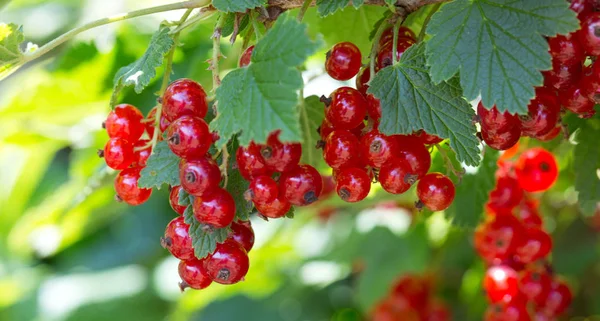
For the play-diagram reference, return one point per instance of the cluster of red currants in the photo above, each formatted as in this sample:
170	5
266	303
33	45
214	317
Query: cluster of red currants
359	153
515	246
411	299
572	83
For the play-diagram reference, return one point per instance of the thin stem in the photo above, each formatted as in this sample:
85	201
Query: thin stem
448	163
190	4
375	48
257	32
305	6
434	9
216	53
204	14
395	41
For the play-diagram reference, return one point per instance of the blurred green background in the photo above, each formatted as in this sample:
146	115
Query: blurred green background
68	251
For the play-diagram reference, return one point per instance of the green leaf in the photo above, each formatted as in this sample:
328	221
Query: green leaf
141	72
586	166
237	5
204	237
291	213
473	192
411	101
327	7
261	98
229	25
162	168
497	47
11	37
311	116
237	185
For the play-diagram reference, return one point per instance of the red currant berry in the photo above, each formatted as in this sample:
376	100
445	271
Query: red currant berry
426	138
125	121
436	191
566	50
573	99
126	186
500	140
189	137
194	274
414	152
506	195
537	245
535	285
199	176
512	311
557	300
164	123
499	238
581	7
362	80
141	153
177	239
301	186
250	162
246	56
228	264
395	176
281	157
184	97
374	109
562	76
543	114
216	209
353	184
242	234
529	215
551	135
589	34
501	283
341	150
118	153
384	56
536	170
416	290
437	311
343	61
325	129
263	189
403	32
276	209
493	120
377	148
174	200
347	108
328	186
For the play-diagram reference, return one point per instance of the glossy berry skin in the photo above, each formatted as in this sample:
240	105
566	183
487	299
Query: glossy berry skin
193	274
281	157
276	209
341	150
243	234
575	101
189	137
506	195
141	153
493	120
184	97
566	50
551	135
436	191
589	34
562	76
528	214
537	244
199	176
543	114
228	264
536	170
581	7
251	162
414	152
347	109
403	32
325	129
395	176
301	186
363	77
385	54
498	239
126	187
512	311
118	153
125	121
216	209
174	200
343	61
499	140
353	184
501	283
377	148
164	123
263	189
557	300
414	289
535	285
426	138
246	57
177	239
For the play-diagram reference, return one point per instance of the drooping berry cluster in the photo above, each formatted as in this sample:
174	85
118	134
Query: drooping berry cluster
354	147
411	299
515	246
571	83
127	152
